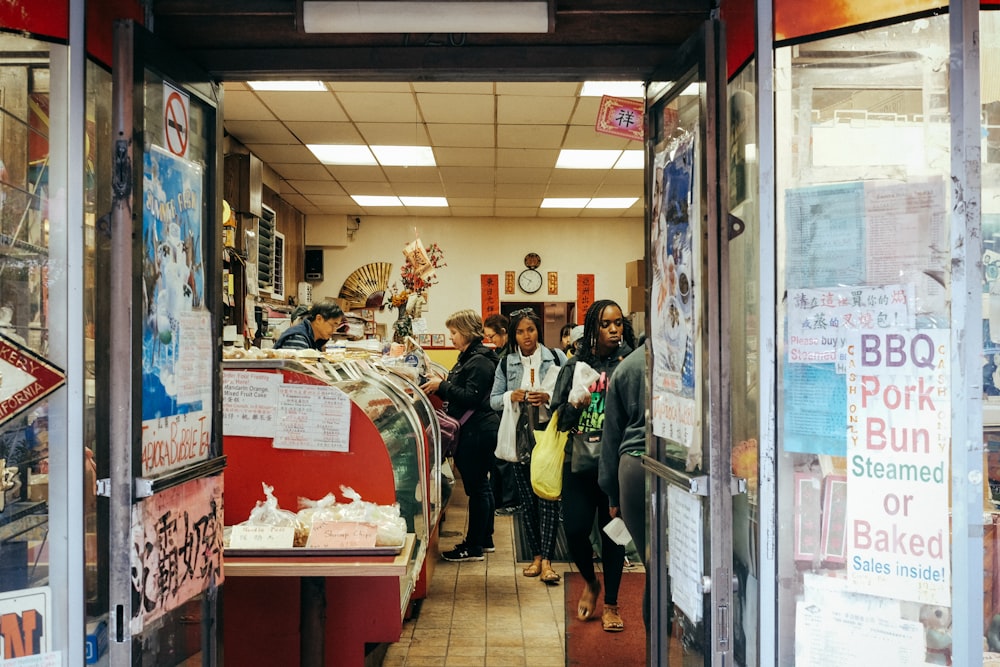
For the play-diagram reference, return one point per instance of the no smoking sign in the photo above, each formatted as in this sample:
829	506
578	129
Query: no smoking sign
176	125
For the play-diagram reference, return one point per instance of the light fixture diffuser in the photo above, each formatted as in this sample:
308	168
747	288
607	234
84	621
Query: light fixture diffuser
344	154
293	86
443	16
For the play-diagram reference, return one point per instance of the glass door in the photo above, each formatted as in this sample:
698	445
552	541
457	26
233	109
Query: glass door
164	379
688	452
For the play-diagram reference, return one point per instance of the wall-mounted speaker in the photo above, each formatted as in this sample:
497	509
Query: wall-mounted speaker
314	264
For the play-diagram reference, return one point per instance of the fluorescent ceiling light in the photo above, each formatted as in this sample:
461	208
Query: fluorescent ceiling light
612	88
562	202
375	200
587	159
404	156
303	86
374	16
612	202
424	201
635	159
342	154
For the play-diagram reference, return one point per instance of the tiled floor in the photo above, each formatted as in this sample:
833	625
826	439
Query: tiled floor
483	613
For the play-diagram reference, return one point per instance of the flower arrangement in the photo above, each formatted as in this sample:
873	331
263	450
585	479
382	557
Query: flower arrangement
417	274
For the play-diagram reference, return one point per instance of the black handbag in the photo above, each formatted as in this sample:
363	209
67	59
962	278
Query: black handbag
524	432
586	451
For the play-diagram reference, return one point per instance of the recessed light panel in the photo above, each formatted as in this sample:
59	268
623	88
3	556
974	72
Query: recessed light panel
342	154
375	200
612	202
612	88
587	159
564	202
425	201
300	86
404	156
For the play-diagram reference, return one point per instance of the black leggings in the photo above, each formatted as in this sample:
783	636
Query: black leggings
582	498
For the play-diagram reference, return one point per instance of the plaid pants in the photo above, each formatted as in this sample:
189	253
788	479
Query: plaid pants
541	517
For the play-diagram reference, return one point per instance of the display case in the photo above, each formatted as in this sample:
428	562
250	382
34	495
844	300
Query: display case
385	456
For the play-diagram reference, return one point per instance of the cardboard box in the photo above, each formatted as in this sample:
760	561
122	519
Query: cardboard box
635	273
637	299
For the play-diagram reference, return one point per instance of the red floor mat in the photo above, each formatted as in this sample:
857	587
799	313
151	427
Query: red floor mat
586	641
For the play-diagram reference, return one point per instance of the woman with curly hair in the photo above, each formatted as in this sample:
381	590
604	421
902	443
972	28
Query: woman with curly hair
607	339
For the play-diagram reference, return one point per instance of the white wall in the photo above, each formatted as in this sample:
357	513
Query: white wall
474	246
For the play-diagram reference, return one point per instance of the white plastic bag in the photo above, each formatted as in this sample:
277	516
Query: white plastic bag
583	377
507	435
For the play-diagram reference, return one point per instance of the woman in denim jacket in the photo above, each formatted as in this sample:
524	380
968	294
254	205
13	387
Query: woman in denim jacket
526	376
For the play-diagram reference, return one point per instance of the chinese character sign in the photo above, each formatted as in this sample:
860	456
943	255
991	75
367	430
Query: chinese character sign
584	295
620	117
489	285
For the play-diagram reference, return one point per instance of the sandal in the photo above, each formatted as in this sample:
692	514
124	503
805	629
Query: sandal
534	569
611	620
549	575
588	600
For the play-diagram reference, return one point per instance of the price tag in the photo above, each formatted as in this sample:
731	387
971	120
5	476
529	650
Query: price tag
342	535
261	537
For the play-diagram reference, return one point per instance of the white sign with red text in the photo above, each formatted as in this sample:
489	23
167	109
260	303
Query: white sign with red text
898	453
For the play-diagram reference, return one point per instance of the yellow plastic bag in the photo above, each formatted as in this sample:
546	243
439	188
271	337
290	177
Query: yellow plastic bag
547	461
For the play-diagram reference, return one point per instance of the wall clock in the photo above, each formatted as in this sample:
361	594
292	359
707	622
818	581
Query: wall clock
530	280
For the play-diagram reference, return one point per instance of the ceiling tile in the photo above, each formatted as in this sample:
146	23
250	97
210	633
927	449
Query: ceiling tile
570	176
615	176
515	190
322	132
304	172
412	174
394	134
419	189
539	89
523	175
369	86
466	175
271	153
329	187
332	200
525	110
366	188
477	88
620	190
526	157
519	202
428	211
466	157
517	211
472	202
465	135
345	173
559	212
303	106
244	105
442	108
472	211
586	111
573	190
579	136
302	204
468	189
379	107
530	136
260	132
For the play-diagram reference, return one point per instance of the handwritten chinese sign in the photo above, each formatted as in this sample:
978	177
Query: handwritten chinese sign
490	289
177	544
584	295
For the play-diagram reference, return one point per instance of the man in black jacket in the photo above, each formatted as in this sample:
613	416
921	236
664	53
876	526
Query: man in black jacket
314	330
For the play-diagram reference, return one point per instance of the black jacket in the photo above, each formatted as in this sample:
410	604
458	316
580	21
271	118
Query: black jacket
299	337
468	387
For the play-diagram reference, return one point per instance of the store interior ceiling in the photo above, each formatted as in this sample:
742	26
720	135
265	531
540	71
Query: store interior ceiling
495	108
495	147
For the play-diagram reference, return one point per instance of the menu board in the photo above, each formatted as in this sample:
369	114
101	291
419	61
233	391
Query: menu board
313	417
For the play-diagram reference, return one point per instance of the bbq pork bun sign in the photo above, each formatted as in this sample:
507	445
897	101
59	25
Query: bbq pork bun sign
25	378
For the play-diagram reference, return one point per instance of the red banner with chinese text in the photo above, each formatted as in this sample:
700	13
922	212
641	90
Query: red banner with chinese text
621	117
584	295
489	284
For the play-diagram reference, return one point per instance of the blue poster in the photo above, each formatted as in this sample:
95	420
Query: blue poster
173	282
815	409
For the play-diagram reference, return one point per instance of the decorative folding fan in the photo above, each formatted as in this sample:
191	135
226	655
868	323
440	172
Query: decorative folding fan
367	284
